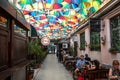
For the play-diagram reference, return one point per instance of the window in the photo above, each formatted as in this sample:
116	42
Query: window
115	32
19	30
82	41
95	35
95	41
3	21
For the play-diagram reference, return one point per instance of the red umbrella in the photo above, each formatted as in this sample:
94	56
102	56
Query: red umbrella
56	23
41	24
25	12
42	17
46	22
73	27
70	22
37	28
57	6
63	18
68	1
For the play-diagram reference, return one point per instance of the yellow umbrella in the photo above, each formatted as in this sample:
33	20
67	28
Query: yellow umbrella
38	5
87	4
72	12
96	5
48	6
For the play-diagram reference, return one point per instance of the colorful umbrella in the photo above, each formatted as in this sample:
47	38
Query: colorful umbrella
87	4
66	5
74	6
57	6
48	6
50	1
77	1
24	2
68	1
57	18
59	1
25	12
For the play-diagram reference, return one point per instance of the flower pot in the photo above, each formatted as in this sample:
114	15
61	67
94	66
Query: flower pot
30	75
38	65
113	52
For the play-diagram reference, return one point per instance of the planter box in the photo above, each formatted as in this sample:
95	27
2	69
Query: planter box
113	52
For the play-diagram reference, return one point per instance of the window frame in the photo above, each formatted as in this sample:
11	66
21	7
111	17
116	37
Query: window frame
115	29
20	27
82	38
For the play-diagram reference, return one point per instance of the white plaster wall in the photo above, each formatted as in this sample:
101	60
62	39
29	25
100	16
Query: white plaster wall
78	49
71	42
95	55
106	56
87	39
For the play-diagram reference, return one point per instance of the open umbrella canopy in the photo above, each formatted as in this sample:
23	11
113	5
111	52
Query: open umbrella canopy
56	18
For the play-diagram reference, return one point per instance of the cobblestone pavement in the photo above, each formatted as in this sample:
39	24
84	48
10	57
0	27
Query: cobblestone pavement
52	70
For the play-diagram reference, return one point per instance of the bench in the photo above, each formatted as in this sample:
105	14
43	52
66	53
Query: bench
101	74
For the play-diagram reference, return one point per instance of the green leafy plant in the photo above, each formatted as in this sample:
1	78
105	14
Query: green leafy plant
36	51
95	47
113	50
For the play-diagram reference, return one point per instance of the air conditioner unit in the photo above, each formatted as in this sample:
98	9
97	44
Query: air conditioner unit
64	45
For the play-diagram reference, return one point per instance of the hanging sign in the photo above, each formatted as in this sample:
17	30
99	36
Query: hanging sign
45	41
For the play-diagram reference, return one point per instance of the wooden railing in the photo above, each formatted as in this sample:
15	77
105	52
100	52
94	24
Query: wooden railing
20	48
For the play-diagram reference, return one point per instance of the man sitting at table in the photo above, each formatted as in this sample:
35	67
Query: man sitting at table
80	62
87	58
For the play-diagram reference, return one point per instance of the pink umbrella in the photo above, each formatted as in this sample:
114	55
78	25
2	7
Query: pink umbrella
68	1
41	25
57	6
42	17
25	12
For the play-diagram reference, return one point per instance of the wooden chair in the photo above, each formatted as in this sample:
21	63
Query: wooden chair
101	74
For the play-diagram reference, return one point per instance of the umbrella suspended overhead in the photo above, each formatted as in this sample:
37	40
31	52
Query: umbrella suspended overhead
74	6
57	6
57	18
77	1
68	1
66	5
24	2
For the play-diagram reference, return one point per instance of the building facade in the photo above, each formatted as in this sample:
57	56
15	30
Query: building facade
99	34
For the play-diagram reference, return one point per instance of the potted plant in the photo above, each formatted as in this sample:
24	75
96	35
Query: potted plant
36	52
112	50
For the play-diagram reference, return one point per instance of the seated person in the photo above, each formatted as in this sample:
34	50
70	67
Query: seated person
96	64
87	58
80	62
114	72
81	72
90	66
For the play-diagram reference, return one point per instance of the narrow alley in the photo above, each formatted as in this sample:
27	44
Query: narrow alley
52	70
59	39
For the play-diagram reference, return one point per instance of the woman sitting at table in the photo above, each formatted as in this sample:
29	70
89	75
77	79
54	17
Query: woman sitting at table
114	72
81	72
